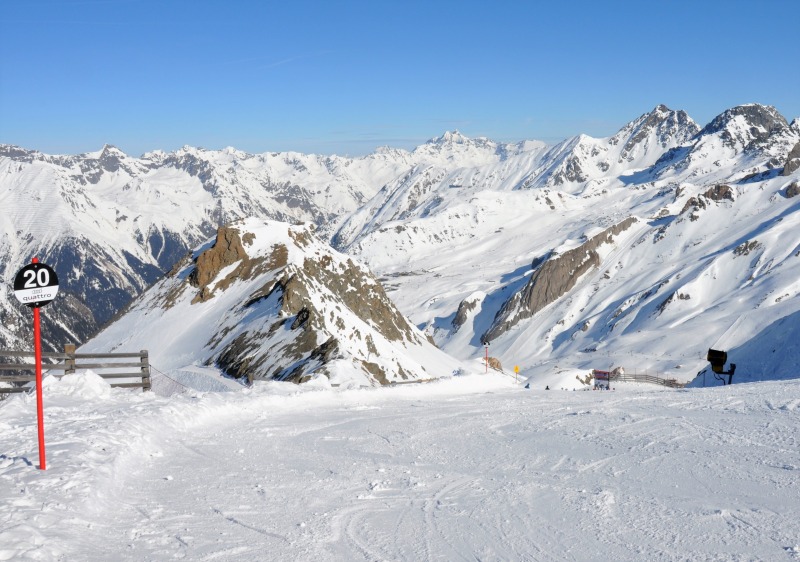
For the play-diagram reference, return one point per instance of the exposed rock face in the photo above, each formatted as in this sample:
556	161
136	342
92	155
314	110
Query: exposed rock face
746	126
792	161
227	250
553	279
464	308
720	192
717	193
362	294
572	172
695	205
793	190
745	248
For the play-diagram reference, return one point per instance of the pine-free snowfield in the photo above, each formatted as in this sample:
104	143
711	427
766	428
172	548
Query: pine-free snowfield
470	468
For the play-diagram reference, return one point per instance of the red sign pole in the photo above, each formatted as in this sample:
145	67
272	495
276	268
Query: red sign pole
37	350
35	285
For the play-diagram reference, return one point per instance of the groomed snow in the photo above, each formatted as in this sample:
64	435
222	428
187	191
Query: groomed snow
469	468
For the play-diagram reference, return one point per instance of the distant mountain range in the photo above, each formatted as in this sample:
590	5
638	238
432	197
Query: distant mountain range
642	249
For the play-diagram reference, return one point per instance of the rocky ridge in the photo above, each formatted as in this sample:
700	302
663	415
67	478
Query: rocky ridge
553	277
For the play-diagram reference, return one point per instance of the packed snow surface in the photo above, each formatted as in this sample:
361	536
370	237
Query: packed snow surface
473	467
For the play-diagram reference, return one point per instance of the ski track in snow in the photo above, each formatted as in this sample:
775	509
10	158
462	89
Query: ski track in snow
458	470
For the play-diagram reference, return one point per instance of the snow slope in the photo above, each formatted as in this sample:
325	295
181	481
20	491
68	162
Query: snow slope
468	468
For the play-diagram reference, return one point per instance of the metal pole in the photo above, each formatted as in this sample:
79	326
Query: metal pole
37	351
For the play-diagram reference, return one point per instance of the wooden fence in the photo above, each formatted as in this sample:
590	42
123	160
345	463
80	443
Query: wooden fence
111	366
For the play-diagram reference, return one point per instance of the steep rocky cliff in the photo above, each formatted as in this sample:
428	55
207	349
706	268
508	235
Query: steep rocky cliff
792	161
552	279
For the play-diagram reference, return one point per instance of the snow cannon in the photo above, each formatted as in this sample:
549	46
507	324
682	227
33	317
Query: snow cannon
717	359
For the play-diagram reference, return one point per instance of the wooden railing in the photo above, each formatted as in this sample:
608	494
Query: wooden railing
106	365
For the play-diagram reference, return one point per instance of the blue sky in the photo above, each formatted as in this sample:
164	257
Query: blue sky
347	76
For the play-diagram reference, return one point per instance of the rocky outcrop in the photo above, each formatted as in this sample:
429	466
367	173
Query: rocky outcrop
793	189
553	279
227	250
571	172
362	294
745	248
465	307
719	192
792	161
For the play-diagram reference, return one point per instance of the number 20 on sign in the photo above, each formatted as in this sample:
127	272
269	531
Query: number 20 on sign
36	285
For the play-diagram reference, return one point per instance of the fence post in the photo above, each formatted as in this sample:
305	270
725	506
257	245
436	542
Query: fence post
69	351
145	360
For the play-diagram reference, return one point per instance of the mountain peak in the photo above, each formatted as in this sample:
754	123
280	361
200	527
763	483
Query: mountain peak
746	124
455	147
662	127
109	148
450	137
657	116
15	152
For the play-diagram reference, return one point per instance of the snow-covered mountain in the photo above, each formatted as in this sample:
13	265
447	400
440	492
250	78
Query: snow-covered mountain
111	225
597	260
580	165
642	249
268	300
